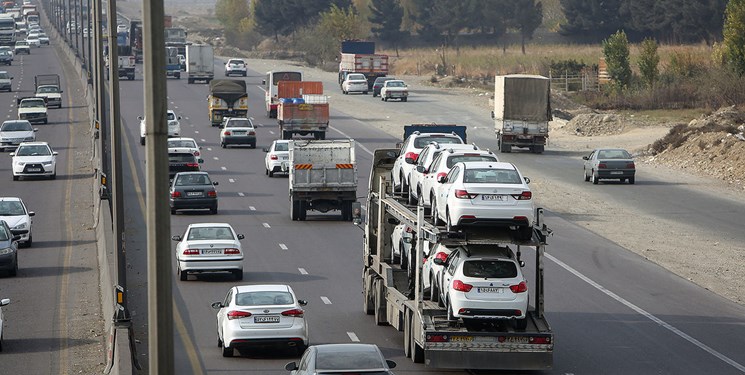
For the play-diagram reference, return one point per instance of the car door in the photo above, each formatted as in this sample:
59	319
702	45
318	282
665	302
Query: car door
588	163
451	264
443	191
429	180
416	177
396	171
222	311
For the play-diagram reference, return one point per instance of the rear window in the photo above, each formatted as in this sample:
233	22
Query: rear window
239	124
180	158
422	142
210	233
193	179
282	147
170	116
613	154
182	143
490	269
263	298
491	176
349	361
464	158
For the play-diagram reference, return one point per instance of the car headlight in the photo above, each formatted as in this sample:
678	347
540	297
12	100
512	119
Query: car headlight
6	251
20	163
47	163
31	139
20	226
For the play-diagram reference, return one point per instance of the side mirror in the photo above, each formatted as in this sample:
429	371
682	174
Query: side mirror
302	302
36	129
31	213
265	149
527	180
585	158
55	153
421	169
390	363
176	238
438	262
139	118
215	183
200	161
442	179
292	366
217	305
240	236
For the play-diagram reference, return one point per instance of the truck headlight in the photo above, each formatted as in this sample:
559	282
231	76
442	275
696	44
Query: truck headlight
507	128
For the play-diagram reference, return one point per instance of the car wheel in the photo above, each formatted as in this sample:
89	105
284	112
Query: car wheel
30	241
15	178
300	349
450	311
182	274
213	210
521	324
404	259
238	275
142	141
227	351
448	224
632	180
219	341
222	144
405	99
435	216
173	211
14	271
434	292
584	173
53	176
270	173
595	179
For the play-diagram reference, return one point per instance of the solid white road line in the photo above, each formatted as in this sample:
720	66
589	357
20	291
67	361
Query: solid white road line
358	144
302	271
325	300
283	246
353	337
648	315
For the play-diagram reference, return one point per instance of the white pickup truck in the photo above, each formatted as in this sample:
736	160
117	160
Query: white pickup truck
33	110
394	89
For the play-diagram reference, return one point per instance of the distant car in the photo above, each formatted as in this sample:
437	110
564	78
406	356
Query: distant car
8	49
209	247
237	131
6	58
261	315
33	109
121	28
13	212
352	359
409	154
6	80
34	159
182	161
3	302
184	144
235	67
277	158
174	126
193	191
43	39
394	89
378	84
14	132
51	94
182	62
22	46
483	193
33	40
484	282
354	82
609	164
8	253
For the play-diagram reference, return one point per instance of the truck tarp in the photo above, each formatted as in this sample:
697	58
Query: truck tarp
522	97
459	130
229	90
358	47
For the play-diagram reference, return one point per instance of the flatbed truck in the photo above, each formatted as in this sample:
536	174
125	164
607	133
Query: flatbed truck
428	336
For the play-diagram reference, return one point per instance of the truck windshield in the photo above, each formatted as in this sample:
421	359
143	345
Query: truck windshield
32	103
47	90
286	76
7	23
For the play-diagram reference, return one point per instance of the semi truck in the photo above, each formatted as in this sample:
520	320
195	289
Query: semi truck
360	57
270	83
173	65
323	177
395	299
126	60
176	37
7	30
227	98
522	110
200	63
302	109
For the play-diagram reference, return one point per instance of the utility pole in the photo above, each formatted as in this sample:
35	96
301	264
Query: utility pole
99	86
158	217
121	317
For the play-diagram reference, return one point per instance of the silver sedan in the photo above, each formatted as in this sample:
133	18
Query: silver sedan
609	164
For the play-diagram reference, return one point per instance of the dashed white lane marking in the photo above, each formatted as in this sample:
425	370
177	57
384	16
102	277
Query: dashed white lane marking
353	337
283	246
202	140
648	315
266	225
231	180
224	168
325	300
215	157
302	271
271	132
252	208
196	132
241	195
261	87
358	144
209	148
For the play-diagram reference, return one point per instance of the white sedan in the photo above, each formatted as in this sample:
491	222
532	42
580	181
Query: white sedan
261	315
355	82
174	126
18	218
209	247
3	302
277	157
235	66
485	194
14	132
34	159
184	144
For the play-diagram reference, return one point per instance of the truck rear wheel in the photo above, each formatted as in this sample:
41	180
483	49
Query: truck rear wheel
407	334
368	305
503	147
302	210
538	149
379	299
417	352
294	210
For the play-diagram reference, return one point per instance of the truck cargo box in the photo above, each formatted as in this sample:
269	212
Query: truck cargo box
522	97
364	63
296	89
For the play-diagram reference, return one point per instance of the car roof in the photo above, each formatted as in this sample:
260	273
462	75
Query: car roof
191	173
262	287
182	139
10	199
346	348
456	147
207	225
38	143
488	165
475	252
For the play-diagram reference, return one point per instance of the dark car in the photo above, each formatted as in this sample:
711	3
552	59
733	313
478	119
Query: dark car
9	249
609	164
378	84
342	359
6	58
182	162
193	191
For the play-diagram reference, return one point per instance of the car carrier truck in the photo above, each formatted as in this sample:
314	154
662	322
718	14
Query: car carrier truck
323	177
522	110
428	336
302	109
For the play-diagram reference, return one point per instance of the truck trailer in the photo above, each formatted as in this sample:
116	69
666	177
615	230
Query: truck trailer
429	336
522	110
200	65
360	57
302	109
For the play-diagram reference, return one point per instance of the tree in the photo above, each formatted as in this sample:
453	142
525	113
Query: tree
269	18
616	52
591	17
734	35
231	12
386	17
648	61
528	15
284	17
341	24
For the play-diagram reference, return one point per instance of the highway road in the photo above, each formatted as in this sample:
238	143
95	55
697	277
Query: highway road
53	324
613	312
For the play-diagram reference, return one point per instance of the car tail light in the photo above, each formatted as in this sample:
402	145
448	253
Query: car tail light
630	165
238	314
409	230
227	132
411	155
463	194
539	340
192	165
602	166
295	313
273	157
176	194
520	218
191	252
524	196
231	251
251	133
519	288
461	286
212	194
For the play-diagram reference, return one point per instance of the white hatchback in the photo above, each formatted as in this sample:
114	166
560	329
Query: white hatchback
260	315
277	158
174	126
34	159
14	212
235	67
209	247
485	194
409	154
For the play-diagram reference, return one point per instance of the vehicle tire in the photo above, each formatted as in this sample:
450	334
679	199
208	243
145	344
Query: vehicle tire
322	136
253	145
410	200
404	259
300	348
46	121
435	216
368	306
434	290
448	224
364	92
521	324
238	275
14	272
584	173
632	180
29	242
190	81
450	311
379	299
294	210
53	176
182	275
270	173
525	232
227	351
538	149
142	141
222	144
505	148
213	210
219	341
173	211
407	333
417	352
405	99
302	210
595	179
15	178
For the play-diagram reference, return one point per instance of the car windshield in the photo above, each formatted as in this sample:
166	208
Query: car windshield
11	208
193	179
613	154
239	123
463	158
236	62
284	146
210	233
491	176
395	84
32	103
171	116
16	126
263	298
356	360
4	75
4	53
182	143
35	150
180	157
21	44
490	269
48	90
422	142
3	234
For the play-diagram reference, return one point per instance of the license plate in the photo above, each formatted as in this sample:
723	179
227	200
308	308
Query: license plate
194	193
490	290
266	319
239	133
461	338
492	197
517	339
34	169
211	251
616	172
